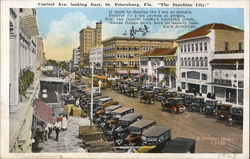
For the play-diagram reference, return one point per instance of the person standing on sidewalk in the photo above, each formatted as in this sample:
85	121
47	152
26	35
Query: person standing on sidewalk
57	128
49	128
100	86
64	122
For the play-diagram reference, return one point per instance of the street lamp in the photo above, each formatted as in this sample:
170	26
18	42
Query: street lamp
92	93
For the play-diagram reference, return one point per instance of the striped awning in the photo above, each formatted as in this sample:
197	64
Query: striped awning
43	112
134	71
122	72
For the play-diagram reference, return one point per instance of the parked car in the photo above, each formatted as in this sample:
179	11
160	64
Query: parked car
188	99
133	92
174	105
236	115
159	94
135	131
180	145
117	114
210	107
197	104
223	111
120	132
147	97
155	137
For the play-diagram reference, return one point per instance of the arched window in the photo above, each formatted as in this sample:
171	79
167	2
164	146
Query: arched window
185	59
202	62
205	61
182	62
189	61
197	62
193	62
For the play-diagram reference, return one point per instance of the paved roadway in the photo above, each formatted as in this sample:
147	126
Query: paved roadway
211	135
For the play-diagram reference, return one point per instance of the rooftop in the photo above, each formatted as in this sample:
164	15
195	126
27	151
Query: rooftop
205	29
137	39
160	52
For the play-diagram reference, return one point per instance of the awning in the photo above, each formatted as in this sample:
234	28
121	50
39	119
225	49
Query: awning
140	75
43	112
134	71
122	72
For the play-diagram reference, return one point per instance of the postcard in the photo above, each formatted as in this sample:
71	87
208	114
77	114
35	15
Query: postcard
124	79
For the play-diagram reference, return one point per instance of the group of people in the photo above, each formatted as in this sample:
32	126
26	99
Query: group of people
45	131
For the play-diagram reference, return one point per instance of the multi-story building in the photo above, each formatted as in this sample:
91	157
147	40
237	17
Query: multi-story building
200	47
121	54
89	38
159	65
76	58
96	56
24	48
40	60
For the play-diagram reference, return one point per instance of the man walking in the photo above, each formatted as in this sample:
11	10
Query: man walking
49	128
57	128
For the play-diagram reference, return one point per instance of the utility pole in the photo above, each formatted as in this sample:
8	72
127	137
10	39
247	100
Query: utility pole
92	94
237	87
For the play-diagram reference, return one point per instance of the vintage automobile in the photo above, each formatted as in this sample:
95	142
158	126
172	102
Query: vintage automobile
156	136
133	92
121	131
147	97
197	104
179	145
223	111
169	94
210	106
135	131
159	94
179	95
174	105
188	98
236	115
117	114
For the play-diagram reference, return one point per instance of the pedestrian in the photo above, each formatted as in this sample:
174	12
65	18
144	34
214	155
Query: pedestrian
49	129
57	128
64	122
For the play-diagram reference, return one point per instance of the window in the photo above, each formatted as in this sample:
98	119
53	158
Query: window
189	62
181	48
197	61
240	46
205	46
183	74
226	75
204	89
201	49
185	49
188	47
196	47
204	77
185	61
226	46
202	62
205	61
183	85
193	62
235	75
192	47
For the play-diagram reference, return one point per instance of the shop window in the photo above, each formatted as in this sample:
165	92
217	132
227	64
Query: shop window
226	46
183	85
204	89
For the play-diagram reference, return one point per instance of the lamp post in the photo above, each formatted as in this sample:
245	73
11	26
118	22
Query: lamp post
92	93
237	68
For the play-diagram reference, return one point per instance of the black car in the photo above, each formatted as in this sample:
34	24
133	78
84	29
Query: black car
197	104
210	107
236	115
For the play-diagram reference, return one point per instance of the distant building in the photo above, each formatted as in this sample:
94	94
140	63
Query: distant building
204	56
76	58
159	65
121	54
89	38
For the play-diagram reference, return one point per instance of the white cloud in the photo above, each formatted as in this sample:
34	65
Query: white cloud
63	35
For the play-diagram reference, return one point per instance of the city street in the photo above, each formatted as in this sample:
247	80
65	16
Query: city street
211	135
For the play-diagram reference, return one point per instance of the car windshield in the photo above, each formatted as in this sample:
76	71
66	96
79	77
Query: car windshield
223	108
237	111
211	103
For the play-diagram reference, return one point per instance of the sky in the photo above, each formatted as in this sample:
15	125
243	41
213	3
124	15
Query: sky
60	27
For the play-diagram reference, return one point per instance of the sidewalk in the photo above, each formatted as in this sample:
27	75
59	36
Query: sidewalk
68	139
